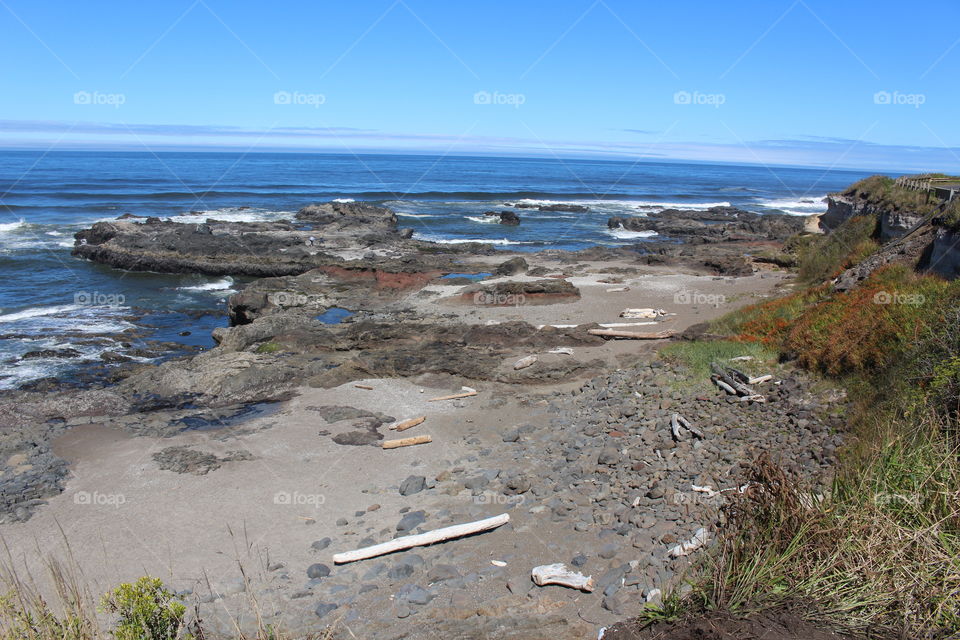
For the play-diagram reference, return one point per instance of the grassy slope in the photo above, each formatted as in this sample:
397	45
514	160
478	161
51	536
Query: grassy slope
880	554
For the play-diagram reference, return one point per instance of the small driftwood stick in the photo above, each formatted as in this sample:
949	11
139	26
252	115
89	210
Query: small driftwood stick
677	422
760	379
633	335
699	539
363	386
421	539
409	424
465	394
559	574
406	442
723	385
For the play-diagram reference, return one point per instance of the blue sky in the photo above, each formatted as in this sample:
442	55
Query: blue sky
807	82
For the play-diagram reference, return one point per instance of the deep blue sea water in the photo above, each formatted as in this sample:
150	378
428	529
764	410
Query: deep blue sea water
49	300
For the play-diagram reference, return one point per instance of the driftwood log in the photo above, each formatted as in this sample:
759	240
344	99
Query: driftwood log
465	394
409	424
559	574
699	539
642	313
421	539
734	379
678	422
406	442
632	335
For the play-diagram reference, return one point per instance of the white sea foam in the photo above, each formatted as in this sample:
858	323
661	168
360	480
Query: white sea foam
231	215
695	206
624	234
484	219
438	240
797	206
627	204
414	215
37	312
216	285
12	226
344	200
69	318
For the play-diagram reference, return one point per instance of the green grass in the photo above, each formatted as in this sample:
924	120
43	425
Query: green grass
826	256
697	356
880	554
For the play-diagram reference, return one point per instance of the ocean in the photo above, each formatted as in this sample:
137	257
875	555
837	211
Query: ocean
61	310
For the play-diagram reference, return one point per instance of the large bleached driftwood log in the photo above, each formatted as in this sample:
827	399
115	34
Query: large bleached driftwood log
421	539
632	335
406	442
642	313
559	574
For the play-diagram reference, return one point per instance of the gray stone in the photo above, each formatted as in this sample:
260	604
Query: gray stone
324	608
411	521
442	572
608	456
412	485
318	570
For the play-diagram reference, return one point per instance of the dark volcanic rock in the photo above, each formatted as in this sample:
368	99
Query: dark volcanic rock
506	217
716	224
568	208
215	247
412	485
512	267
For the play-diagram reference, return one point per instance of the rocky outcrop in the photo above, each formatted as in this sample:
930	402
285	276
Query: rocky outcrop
943	257
893	223
717	224
508	218
512	267
355	218
262	249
